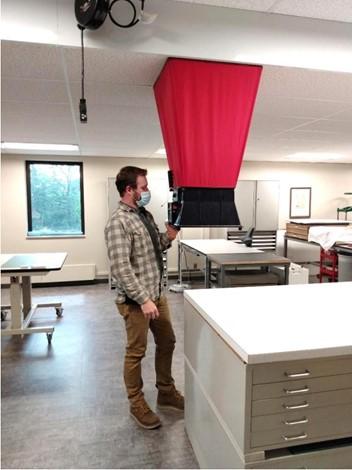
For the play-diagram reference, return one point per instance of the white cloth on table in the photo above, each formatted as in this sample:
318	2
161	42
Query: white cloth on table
328	236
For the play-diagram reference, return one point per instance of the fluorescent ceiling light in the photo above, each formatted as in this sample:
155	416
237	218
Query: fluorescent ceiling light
314	157
311	59
161	151
39	147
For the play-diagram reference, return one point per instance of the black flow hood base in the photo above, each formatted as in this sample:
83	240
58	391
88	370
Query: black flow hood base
203	207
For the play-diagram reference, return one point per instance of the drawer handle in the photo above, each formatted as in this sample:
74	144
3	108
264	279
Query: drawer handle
299	421
294	438
298	390
294	407
306	373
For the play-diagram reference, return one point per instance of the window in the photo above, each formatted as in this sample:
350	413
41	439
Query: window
55	198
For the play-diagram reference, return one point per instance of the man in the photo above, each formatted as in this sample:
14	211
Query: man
135	248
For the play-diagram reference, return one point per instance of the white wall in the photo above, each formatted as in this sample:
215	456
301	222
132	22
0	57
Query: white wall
328	182
91	248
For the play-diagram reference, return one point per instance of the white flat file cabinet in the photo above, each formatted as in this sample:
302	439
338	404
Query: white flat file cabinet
256	402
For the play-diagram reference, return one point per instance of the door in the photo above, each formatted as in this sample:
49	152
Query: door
267	205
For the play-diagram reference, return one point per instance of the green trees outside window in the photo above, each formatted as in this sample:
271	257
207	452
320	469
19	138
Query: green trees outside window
55	198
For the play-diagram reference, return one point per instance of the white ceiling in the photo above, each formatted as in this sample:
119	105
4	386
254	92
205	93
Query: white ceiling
297	110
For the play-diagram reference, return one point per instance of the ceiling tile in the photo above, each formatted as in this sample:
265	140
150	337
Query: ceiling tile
327	125
297	107
339	10
37	122
24	60
336	10
109	118
123	126
345	115
114	66
257	5
332	138
262	125
111	94
26	90
306	84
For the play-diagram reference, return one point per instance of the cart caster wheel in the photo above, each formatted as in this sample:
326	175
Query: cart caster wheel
59	311
3	315
49	336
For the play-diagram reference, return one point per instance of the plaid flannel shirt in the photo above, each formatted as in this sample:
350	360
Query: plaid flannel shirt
133	262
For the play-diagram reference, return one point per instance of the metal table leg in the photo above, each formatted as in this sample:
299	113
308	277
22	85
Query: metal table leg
16	302
26	294
207	273
222	276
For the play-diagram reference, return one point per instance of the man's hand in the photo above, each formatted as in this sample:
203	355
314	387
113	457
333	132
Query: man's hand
149	310
171	232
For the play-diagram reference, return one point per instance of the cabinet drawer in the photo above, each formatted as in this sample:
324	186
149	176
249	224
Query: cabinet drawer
289	421
293	370
302	433
278	405
301	387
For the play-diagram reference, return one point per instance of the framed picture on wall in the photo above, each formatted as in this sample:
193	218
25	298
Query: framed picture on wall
300	203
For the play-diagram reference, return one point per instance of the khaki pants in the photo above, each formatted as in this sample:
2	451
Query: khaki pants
137	332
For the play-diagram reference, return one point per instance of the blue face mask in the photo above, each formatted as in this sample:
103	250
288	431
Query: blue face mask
145	199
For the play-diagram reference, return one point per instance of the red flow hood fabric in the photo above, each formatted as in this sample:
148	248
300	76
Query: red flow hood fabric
205	109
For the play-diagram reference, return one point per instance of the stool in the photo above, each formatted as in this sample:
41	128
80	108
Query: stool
328	265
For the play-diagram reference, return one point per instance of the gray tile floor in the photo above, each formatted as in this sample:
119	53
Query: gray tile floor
64	405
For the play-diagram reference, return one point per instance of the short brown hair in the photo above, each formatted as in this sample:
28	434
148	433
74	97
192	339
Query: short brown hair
127	176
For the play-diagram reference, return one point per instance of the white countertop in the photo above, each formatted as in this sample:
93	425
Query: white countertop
280	323
218	246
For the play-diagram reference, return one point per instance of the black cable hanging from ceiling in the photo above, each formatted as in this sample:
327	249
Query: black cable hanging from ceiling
91	14
82	102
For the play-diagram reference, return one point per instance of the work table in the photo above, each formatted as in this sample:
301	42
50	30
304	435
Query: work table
271	325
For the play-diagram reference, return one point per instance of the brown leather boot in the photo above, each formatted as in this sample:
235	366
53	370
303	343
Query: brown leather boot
144	416
171	400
